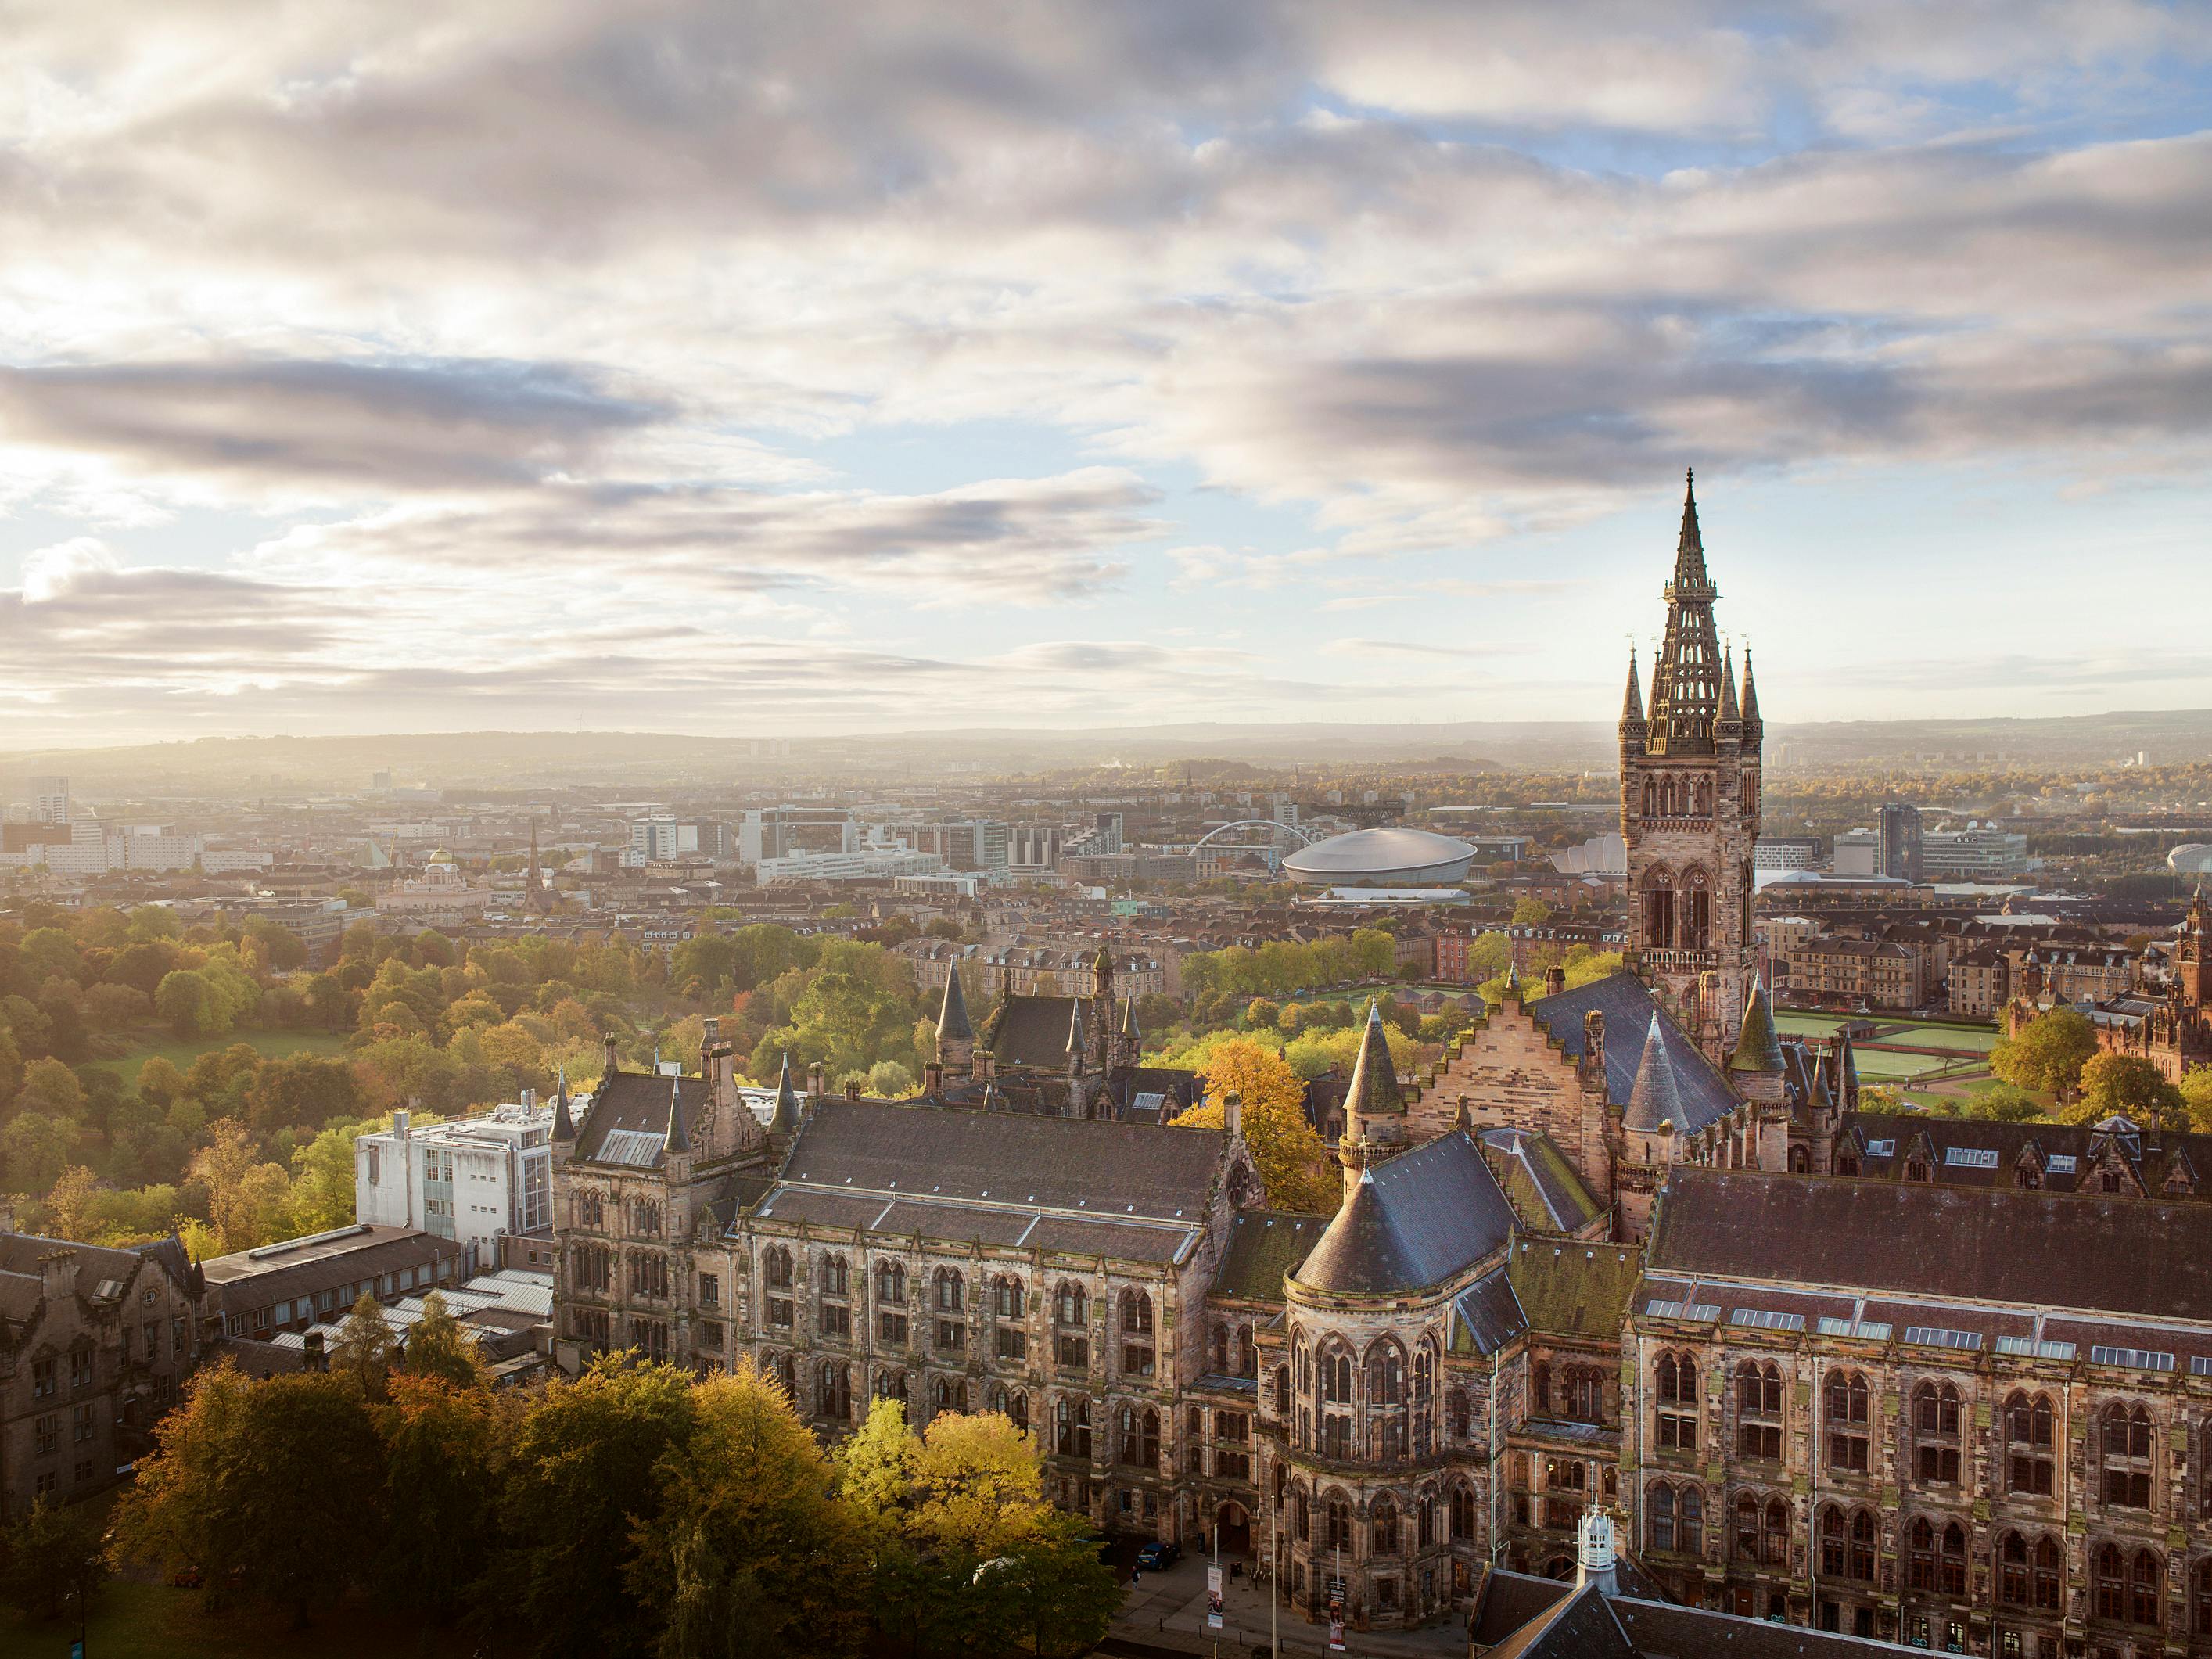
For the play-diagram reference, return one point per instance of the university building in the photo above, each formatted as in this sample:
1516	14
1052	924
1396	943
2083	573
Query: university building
1622	1251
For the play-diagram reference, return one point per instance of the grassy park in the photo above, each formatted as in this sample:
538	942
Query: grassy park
269	1045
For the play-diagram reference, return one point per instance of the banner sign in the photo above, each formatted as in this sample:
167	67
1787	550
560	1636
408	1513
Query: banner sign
1214	1596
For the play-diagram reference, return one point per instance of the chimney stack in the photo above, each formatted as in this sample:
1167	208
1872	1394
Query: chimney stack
609	1064
58	1274
1555	980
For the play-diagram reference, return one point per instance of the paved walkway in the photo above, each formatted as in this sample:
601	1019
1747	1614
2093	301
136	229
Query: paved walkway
1167	1611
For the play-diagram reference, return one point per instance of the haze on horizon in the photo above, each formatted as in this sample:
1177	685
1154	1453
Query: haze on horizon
758	370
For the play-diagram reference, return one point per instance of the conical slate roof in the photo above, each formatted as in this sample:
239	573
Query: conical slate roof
1129	1019
564	1126
1757	1047
1077	1042
952	1021
785	1120
1655	1098
1412	1224
679	1138
1373	1090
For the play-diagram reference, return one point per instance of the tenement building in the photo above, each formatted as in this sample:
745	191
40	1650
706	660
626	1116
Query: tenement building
1624	1252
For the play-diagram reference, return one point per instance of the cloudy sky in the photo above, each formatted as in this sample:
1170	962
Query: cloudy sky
768	368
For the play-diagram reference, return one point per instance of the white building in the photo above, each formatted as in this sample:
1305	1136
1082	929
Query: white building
470	1180
1857	853
95	848
867	864
50	800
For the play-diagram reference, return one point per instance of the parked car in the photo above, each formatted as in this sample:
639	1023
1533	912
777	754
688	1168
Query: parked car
1158	1558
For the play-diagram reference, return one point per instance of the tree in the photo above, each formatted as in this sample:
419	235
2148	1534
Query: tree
280	945
1293	1163
446	1451
438	1348
248	1200
160	1081
2047	1054
183	1001
2127	1085
52	1083
1531	912
2196	1095
302	1092
366	1346
51	1559
322	1194
748	1553
69	1205
35	1148
582	1488
2004	1104
1261	1012
273	1488
890	1079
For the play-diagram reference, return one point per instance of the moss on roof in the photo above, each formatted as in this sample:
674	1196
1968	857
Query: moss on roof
1263	1246
1573	1289
1551	1198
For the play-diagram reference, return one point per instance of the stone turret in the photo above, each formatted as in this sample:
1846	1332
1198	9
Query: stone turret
955	1033
1374	1127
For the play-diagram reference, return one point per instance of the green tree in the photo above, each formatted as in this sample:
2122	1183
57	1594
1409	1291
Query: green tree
50	1083
1261	1012
747	1553
273	1488
890	1079
1531	912
2127	1085
446	1451
2047	1055
366	1347
322	1194
51	1558
301	1091
281	946
160	1081
438	1348
2196	1095
182	999
584	1474
35	1147
2003	1104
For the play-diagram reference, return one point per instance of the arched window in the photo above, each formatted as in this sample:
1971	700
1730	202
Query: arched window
1071	1304
775	1267
1952	1576
1424	1520
1456	1414
1072	1426
1936	1432
2111	1573
1385	1516
1801	1161
590	1209
1247	1352
891	1384
1386	1374
2127	1445
1658	912
2027	1575
833	1276
1138	1354
1540	1389
890	1282
1585	1394
1847	1165
1774	1547
1847	1544
1221	1349
1746	1527
1690	1521
1848	1423
1335	1377
1920	1553
1674	1385
2028	1445
836	1386
1759	1410
1462	1512
778	1366
951	1393
951	1289
1006	1297
1659	1518
1339	1516
1696	910
2200	1584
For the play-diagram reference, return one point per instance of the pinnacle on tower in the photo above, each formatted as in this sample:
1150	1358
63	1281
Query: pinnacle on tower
785	1120
952	1021
564	1126
1129	1020
1656	1097
1373	1090
1690	550
1077	1043
1631	703
1730	713
1751	723
679	1138
1757	1048
1685	675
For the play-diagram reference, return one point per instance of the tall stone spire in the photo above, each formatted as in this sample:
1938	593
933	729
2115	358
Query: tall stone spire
1656	1097
1752	729
1758	1048
564	1126
1685	679
785	1120
679	1138
952	1019
1731	716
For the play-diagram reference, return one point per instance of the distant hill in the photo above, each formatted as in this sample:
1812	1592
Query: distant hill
663	762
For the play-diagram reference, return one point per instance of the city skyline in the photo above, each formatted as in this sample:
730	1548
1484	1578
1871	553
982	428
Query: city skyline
699	372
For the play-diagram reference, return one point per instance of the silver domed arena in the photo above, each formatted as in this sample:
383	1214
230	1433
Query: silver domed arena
1390	857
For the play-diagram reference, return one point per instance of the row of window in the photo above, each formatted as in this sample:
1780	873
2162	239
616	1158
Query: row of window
1331	1524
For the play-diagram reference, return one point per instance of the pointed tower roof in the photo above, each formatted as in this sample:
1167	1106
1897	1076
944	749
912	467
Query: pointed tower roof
1750	696
1656	1097
1077	1042
1690	550
784	1120
1730	711
679	1138
1631	701
1129	1020
952	1021
1757	1048
1373	1090
564	1126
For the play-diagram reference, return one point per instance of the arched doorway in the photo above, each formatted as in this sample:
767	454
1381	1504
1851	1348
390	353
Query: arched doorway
1233	1528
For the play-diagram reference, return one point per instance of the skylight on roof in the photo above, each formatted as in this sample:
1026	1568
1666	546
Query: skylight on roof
1881	1149
1767	1319
1937	1336
1971	1158
2141	1360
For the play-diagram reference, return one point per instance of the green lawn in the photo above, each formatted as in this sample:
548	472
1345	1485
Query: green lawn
269	1044
1954	1039
132	1620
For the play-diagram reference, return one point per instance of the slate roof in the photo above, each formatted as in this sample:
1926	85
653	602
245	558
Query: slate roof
1373	1090
639	1102
246	1279
1413	1223
2124	1256
1959	1147
1507	1600
1660	1630
1107	1167
952	1021
1579	1626
1032	1032
1655	1098
1129	1088
23	1279
1574	1289
1263	1246
1628	1005
1546	1192
1757	1047
1486	1314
